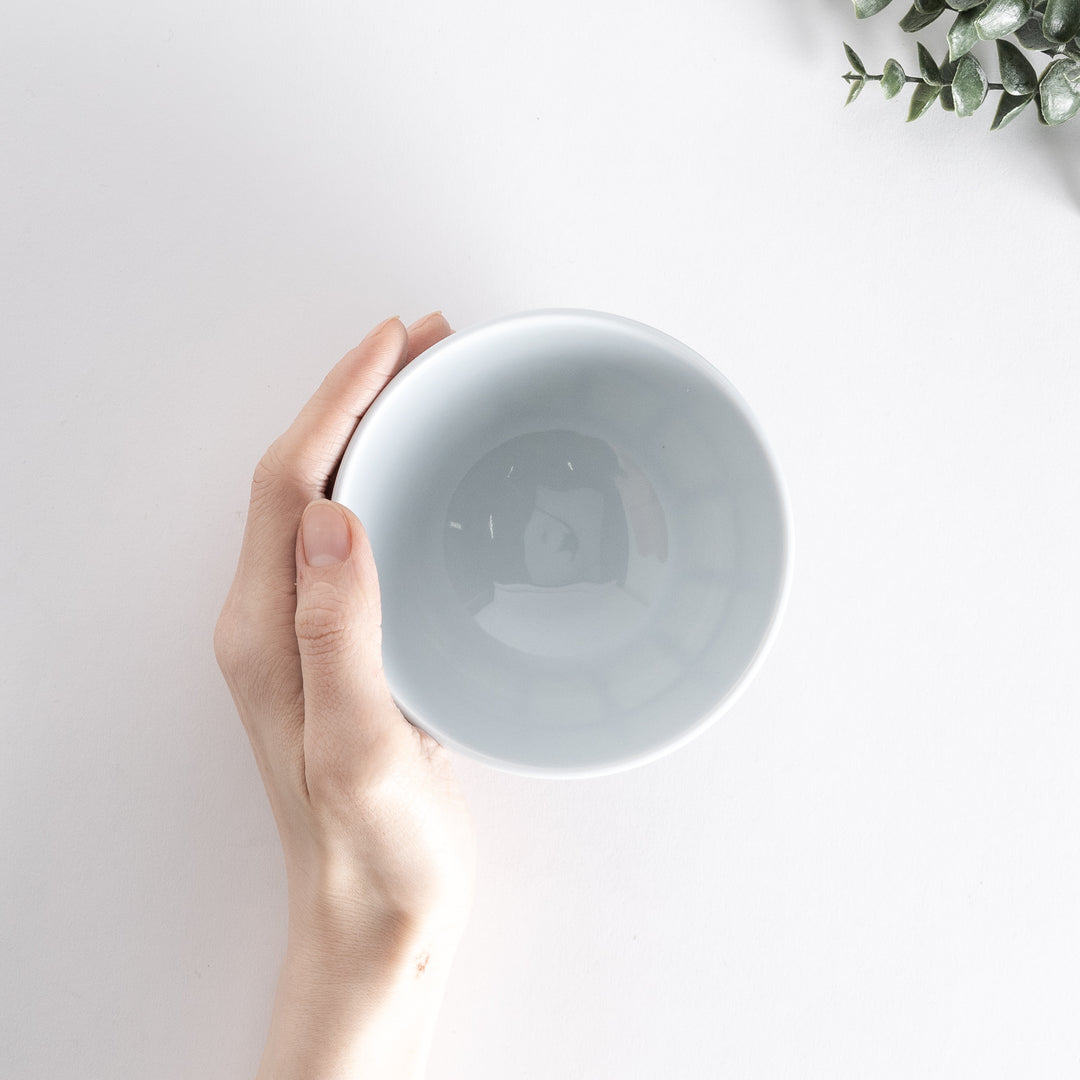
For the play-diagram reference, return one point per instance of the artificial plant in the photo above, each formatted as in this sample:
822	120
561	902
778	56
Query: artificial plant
959	81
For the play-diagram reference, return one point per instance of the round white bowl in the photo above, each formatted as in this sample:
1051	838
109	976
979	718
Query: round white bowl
582	539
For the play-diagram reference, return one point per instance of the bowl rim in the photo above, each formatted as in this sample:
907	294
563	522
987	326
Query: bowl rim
680	351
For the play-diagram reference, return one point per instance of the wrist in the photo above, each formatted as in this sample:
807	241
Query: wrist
345	930
357	1003
373	949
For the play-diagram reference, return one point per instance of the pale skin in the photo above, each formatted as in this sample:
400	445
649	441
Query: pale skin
379	845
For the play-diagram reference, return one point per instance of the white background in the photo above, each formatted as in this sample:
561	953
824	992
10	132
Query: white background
871	866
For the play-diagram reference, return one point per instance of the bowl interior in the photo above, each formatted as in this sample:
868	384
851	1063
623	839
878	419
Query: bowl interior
581	540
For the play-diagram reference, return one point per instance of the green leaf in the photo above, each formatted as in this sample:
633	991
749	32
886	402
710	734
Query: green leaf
1061	21
929	7
928	66
1001	17
855	91
1009	107
1017	75
948	70
853	59
1030	35
968	86
965	5
1059	99
893	78
962	34
916	20
921	100
865	8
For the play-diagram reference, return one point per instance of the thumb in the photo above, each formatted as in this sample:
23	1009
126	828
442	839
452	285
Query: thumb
339	628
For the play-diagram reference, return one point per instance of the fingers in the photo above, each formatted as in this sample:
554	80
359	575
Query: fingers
321	430
295	469
256	629
426	332
349	714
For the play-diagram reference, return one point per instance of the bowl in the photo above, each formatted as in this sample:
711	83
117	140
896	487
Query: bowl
582	539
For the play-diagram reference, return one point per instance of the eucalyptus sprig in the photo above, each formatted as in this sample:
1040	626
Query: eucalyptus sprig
959	82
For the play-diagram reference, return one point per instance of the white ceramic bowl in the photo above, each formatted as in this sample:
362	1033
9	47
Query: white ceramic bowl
582	539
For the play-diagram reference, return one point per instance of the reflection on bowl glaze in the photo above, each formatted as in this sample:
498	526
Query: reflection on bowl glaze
553	542
581	537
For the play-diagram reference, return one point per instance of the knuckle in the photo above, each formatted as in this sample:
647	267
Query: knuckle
228	640
272	474
244	656
321	628
268	470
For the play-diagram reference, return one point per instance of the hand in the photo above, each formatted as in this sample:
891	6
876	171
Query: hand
379	845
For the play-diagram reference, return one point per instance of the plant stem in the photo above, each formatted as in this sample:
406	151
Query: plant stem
851	76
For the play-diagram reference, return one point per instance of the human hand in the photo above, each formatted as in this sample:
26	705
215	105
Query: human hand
379	845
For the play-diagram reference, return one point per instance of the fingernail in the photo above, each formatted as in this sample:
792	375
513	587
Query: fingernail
324	534
420	322
382	326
